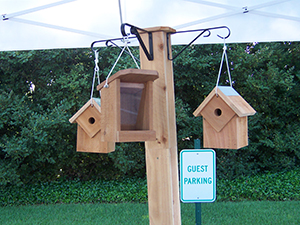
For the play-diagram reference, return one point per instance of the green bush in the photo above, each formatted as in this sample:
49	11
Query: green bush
76	191
272	186
41	90
267	76
280	186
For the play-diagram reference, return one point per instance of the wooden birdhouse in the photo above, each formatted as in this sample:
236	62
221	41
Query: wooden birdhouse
225	119
89	134
127	106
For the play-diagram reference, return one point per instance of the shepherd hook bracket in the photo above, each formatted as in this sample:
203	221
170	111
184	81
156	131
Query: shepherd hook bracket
135	30
203	32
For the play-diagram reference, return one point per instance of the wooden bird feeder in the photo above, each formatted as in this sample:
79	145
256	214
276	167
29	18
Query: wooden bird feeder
89	134
225	119
127	106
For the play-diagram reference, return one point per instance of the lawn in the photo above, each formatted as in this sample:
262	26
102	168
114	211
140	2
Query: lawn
258	200
245	212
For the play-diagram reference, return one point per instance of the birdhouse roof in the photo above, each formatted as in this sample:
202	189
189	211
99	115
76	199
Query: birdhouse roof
94	101
232	98
132	76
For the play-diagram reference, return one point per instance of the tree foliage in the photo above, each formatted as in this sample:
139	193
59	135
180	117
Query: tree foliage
267	76
41	90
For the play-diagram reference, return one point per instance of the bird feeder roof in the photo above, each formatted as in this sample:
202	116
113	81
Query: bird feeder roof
132	76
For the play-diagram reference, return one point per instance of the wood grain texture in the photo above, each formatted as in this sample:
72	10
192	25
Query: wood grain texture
217	113
161	154
83	108
241	107
89	120
110	113
145	112
224	119
233	136
88	117
94	144
136	136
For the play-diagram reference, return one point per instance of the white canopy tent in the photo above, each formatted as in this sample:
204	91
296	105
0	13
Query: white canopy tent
48	24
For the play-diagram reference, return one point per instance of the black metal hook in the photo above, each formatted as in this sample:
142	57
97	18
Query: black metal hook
134	30
106	42
229	32
202	32
110	43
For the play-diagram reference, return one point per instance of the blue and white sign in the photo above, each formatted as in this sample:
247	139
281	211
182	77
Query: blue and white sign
198	175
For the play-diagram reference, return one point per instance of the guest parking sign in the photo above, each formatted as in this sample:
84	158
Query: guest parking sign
198	175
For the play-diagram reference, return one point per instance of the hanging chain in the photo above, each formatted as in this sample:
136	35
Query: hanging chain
224	55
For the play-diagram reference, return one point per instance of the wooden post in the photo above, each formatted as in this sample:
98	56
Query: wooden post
161	155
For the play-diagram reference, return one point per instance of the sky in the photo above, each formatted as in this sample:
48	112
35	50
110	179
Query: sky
77	23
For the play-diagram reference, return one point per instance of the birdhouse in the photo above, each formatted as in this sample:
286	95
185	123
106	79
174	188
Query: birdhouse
127	106
89	134
225	119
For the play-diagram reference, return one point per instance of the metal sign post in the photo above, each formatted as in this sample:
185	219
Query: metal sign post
198	212
198	177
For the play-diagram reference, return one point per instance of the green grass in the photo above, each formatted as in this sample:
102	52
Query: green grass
261	199
122	213
246	212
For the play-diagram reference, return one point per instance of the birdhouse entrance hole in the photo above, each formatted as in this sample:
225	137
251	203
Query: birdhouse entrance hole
92	120
218	112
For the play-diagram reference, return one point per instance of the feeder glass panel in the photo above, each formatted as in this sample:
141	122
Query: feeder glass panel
131	94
